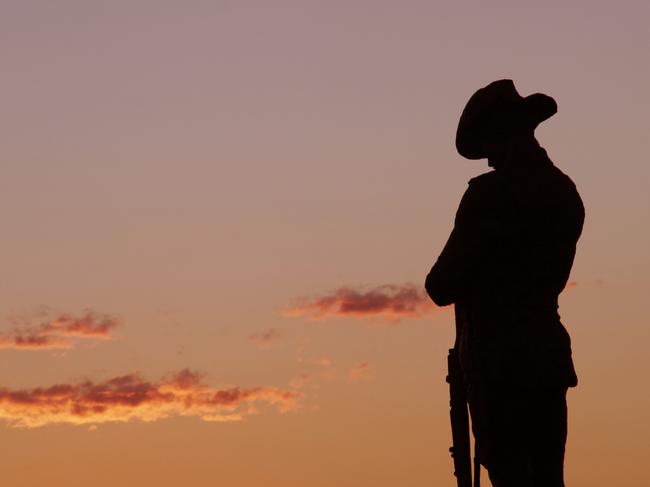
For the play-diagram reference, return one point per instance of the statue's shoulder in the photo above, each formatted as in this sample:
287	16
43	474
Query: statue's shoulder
485	183
481	190
485	179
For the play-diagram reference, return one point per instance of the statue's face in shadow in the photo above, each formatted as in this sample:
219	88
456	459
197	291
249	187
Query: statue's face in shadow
503	139
497	140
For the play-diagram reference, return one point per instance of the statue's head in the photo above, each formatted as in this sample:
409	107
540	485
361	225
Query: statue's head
496	117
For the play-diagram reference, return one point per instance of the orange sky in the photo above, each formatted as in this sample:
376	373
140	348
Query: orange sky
218	216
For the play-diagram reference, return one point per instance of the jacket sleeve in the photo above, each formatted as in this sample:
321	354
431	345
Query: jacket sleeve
449	278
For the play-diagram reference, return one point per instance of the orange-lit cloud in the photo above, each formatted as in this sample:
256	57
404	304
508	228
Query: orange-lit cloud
358	372
91	324
266	338
591	283
300	380
131	398
321	367
392	302
327	369
59	332
32	342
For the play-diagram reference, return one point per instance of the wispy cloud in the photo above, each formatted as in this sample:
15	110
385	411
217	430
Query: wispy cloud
590	283
299	381
89	325
358	372
393	302
32	342
59	332
327	368
131	398
265	339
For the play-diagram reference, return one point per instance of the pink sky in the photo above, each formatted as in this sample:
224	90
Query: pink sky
191	170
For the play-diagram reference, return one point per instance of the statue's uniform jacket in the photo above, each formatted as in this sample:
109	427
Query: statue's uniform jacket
507	259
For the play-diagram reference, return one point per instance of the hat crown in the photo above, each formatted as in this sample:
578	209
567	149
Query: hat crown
499	103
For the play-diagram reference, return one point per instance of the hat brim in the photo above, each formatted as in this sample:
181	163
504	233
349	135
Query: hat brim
499	101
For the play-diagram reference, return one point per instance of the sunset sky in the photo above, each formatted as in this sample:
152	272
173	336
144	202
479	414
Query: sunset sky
217	217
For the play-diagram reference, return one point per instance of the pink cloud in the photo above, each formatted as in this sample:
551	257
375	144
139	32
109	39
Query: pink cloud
90	325
60	332
393	302
327	368
265	339
32	342
131	398
359	371
591	283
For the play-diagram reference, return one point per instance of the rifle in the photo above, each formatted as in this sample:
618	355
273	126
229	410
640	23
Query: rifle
460	450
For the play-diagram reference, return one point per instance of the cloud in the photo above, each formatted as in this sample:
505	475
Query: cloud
131	398
359	371
393	302
90	325
591	283
299	381
32	342
266	338
60	332
322	368
327	368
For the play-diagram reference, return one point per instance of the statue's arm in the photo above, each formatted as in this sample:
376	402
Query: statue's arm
450	276
446	280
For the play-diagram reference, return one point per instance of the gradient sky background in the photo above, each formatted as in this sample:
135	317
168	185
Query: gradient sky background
185	171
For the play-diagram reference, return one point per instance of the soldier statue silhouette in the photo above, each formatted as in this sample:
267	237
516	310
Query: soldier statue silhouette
506	261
